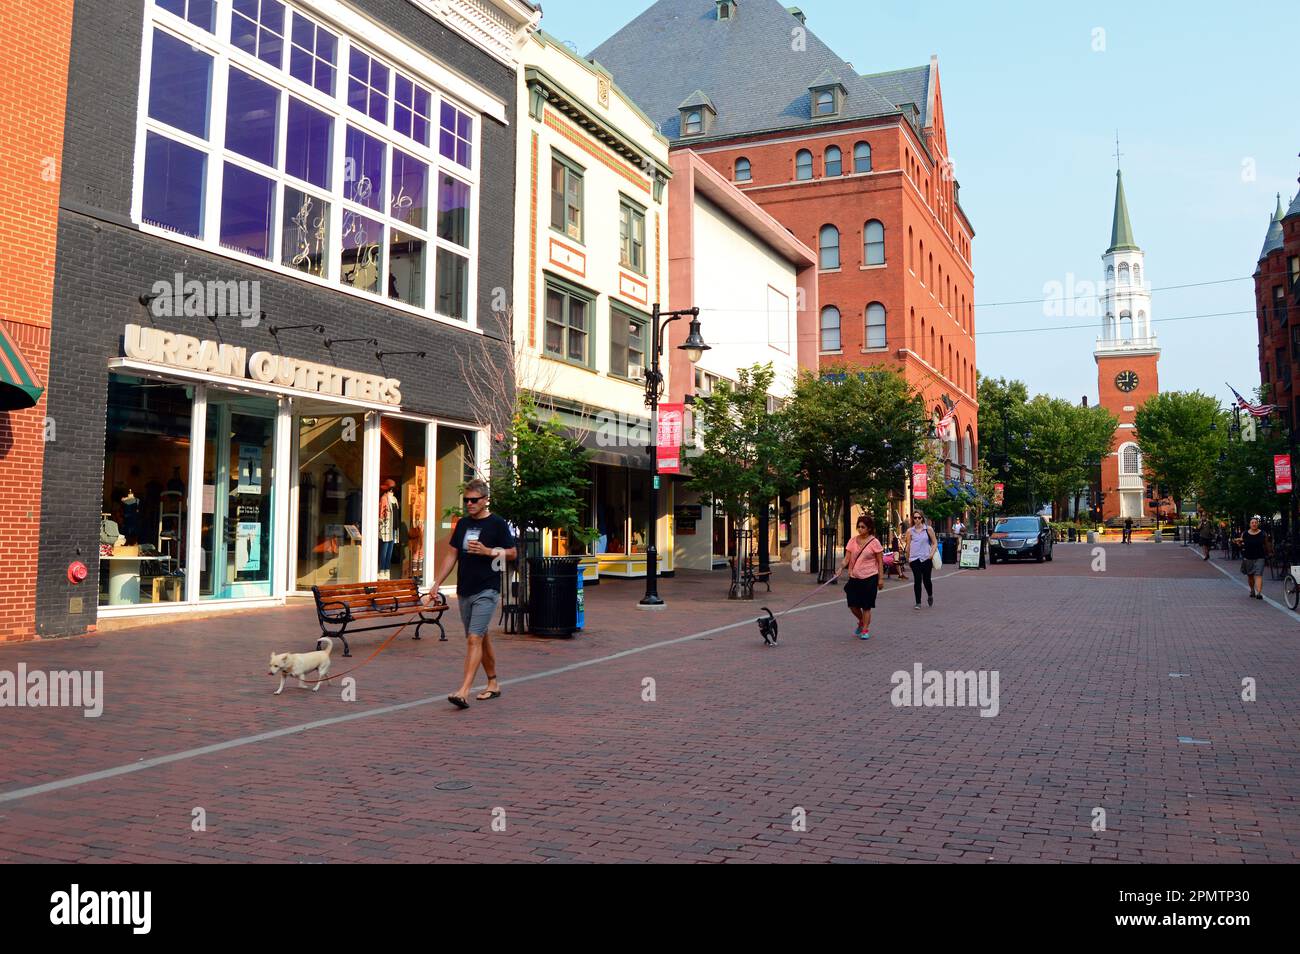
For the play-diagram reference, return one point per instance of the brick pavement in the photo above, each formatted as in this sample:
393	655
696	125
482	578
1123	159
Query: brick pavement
739	735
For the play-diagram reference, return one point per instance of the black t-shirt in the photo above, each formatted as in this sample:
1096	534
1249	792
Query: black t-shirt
1253	545
474	572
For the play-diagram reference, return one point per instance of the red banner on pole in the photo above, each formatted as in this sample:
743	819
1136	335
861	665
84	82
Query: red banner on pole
997	494
669	439
1282	472
920	482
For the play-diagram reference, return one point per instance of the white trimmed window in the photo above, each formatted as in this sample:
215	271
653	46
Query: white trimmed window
1130	460
828	244
873	243
876	325
830	329
279	140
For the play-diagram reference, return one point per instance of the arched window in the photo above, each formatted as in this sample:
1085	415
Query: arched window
911	251
743	173
834	163
1123	273
1130	461
873	243
875	325
931	261
1137	274
919	345
862	157
803	164
1110	274
830	339
930	355
694	122
1140	326
828	242
966	459
1125	326
825	103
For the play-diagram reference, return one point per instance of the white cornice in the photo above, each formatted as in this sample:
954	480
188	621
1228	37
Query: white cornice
498	27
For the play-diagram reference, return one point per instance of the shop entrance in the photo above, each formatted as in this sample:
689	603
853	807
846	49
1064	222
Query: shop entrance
330	466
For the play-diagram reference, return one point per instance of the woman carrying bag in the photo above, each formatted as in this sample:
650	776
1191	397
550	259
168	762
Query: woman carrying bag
865	563
922	549
1256	546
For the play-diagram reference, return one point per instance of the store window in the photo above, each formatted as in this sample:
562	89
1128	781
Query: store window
626	344
238	498
631	236
330	471
566	197
457	465
611	510
143	510
265	173
403	495
568	317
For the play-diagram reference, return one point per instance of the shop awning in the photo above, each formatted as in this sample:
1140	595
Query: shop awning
19	387
633	457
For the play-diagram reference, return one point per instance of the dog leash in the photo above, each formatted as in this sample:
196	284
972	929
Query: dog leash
382	646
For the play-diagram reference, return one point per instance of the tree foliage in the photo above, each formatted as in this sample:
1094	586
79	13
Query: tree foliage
853	431
539	473
1180	434
747	458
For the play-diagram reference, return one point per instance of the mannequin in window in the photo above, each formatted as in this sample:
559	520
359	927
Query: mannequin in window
388	511
131	515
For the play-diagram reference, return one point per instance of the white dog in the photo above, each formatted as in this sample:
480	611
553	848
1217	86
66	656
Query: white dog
299	664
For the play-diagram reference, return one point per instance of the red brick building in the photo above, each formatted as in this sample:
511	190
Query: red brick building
32	106
857	166
1277	287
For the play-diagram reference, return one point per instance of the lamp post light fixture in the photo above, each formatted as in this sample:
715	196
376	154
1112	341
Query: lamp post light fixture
694	348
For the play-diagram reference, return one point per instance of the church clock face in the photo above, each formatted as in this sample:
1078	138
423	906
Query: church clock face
1126	381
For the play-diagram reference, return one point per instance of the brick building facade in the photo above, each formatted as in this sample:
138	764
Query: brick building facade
31	139
1277	295
857	166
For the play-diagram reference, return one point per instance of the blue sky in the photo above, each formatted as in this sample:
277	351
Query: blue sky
1202	95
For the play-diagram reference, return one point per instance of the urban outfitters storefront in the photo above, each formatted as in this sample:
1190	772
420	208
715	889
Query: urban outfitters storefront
241	477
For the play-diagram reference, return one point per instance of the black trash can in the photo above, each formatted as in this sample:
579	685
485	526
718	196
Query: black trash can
949	548
553	595
1072	535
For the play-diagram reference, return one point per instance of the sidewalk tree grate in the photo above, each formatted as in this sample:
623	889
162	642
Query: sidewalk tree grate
1178	675
1188	740
454	785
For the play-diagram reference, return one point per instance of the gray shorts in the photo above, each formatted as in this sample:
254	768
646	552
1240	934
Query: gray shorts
476	611
1253	567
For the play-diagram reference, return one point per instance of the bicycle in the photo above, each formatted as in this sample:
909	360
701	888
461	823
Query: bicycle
1291	587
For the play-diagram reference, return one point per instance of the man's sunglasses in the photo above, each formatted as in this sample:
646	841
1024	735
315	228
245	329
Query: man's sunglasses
470	500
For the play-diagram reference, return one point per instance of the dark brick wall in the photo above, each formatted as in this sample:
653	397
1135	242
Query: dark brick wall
103	264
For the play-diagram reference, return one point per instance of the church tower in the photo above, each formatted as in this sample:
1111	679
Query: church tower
1127	357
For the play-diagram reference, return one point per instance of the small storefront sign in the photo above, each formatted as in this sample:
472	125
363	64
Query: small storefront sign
669	441
919	482
1282	472
970	554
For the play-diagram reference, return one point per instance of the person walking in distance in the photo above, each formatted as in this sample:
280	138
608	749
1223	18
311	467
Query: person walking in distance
921	543
864	559
1255	547
1128	531
479	547
1205	535
896	544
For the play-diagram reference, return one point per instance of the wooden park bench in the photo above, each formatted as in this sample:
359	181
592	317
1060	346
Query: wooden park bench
381	604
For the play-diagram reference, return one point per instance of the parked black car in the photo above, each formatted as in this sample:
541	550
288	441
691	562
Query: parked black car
1020	537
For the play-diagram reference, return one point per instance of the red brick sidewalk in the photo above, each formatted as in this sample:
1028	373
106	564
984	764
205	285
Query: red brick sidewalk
739	737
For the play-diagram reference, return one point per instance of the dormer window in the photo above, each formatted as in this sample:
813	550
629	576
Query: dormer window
697	114
726	9
827	95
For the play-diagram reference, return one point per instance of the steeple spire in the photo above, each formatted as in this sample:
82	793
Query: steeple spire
1121	232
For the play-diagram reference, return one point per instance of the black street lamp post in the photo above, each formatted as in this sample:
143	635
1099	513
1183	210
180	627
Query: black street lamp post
694	347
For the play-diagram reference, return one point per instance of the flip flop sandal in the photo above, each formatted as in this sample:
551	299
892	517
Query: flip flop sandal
487	694
460	702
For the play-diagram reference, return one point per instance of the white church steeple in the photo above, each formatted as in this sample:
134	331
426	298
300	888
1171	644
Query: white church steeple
1125	300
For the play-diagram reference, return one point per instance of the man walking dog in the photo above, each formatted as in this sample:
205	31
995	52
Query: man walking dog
480	544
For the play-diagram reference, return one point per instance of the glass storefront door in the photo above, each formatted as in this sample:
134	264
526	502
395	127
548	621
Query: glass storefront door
331	458
403	490
456	466
239	485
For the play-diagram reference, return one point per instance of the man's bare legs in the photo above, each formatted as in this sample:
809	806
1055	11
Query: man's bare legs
478	651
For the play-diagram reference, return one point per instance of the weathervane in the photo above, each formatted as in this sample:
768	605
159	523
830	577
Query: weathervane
1117	152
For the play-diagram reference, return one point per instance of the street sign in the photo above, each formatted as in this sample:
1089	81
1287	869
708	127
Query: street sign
1282	472
997	494
919	482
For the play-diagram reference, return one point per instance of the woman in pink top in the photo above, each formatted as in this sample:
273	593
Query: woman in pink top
864	559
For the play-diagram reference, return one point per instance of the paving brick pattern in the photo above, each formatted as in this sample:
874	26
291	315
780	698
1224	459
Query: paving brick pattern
739	736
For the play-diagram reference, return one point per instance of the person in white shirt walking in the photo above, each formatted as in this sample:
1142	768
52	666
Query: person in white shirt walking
921	545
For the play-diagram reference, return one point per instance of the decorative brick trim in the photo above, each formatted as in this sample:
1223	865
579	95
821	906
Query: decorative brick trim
532	250
597	151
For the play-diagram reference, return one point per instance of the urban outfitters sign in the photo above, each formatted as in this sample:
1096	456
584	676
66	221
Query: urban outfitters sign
168	349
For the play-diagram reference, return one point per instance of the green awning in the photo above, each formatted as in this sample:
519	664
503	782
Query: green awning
18	385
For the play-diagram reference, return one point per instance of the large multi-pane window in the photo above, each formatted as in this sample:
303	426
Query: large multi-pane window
291	144
631	236
566	197
626	343
568	323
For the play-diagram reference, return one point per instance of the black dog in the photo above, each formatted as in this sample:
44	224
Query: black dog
767	627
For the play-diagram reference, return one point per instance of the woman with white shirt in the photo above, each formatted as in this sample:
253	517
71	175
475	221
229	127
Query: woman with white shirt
920	544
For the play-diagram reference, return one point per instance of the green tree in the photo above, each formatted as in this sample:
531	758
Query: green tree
853	432
1241	476
539	473
1178	442
1002	441
746	459
1062	438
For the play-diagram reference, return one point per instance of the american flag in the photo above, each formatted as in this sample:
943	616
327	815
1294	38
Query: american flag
945	428
1254	410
